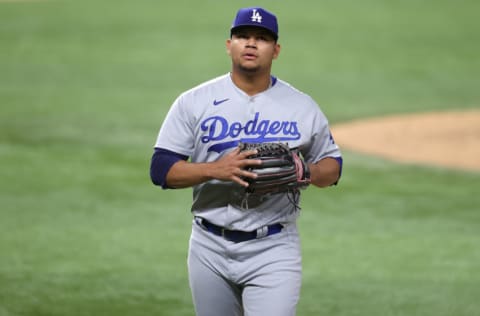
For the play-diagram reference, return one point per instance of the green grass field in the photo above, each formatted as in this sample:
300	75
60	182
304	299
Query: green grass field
85	85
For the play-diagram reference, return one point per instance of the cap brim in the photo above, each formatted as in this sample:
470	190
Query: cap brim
237	27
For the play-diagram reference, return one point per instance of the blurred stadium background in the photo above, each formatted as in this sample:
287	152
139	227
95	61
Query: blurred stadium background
85	85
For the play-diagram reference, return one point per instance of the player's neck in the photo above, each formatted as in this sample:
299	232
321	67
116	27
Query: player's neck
251	84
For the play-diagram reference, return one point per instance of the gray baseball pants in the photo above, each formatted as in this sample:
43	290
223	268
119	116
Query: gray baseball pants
257	277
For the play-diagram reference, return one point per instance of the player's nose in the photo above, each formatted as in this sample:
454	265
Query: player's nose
251	42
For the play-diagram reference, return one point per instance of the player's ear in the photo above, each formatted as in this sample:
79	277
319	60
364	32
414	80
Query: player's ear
227	45
276	51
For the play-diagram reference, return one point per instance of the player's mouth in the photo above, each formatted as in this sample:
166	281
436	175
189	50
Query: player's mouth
249	56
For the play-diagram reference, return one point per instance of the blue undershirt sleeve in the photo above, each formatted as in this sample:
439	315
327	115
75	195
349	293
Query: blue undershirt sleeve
340	162
162	161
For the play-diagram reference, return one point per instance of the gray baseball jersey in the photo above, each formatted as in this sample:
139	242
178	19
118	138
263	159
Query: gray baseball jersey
209	120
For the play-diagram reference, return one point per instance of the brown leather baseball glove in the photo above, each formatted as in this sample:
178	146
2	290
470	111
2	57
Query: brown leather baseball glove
282	169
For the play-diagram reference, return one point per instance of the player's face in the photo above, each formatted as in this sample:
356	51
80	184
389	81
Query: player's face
252	49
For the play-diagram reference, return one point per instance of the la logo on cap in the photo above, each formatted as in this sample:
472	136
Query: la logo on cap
256	17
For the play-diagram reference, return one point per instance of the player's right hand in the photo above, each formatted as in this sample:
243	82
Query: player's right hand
232	166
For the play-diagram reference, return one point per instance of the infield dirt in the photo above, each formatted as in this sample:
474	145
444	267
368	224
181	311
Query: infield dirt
445	139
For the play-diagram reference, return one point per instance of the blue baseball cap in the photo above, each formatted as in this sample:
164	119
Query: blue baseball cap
257	17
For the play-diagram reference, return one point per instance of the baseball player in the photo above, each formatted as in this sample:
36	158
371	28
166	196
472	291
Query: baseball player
244	253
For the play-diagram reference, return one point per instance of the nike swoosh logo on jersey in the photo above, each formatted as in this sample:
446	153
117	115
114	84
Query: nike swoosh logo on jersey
215	102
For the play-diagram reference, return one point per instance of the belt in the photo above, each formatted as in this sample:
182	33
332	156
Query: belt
238	235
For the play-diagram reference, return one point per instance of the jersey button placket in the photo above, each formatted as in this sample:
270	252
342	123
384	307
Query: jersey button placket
252	106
